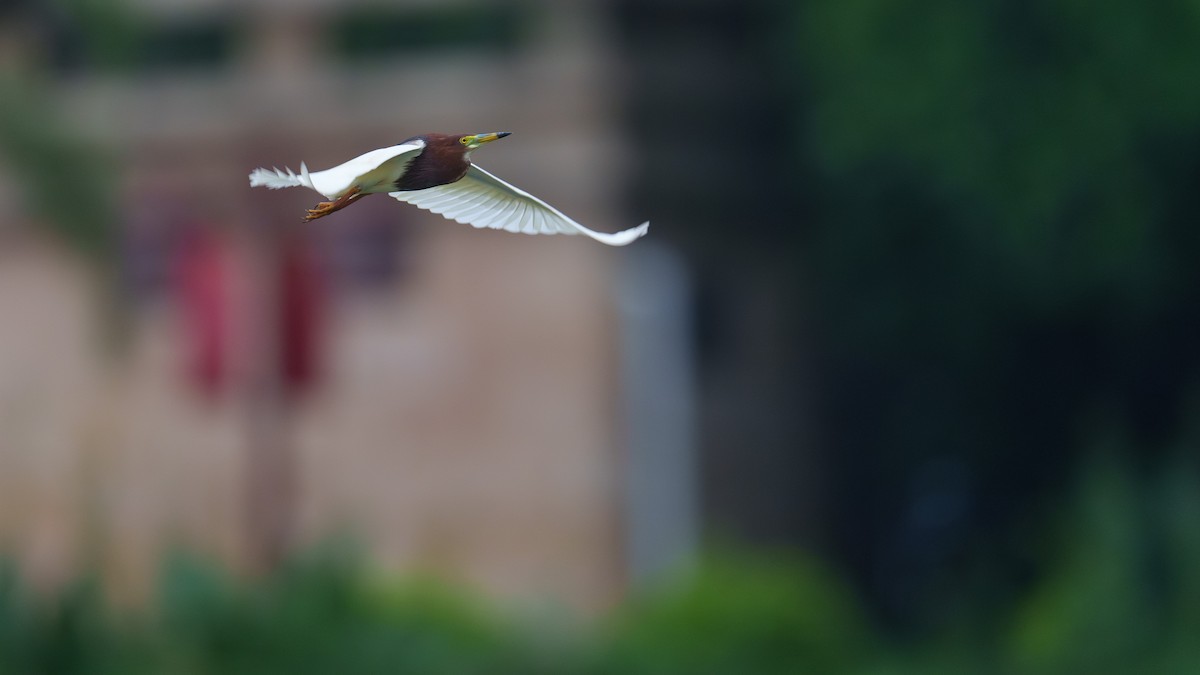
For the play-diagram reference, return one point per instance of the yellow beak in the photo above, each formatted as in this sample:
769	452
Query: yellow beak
488	138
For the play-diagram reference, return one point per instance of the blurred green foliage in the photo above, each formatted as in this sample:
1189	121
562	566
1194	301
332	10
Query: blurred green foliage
999	261
1123	580
109	33
741	614
69	188
102	36
949	246
370	32
1031	122
68	183
1120	594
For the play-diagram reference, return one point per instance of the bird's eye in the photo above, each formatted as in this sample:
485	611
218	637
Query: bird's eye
465	140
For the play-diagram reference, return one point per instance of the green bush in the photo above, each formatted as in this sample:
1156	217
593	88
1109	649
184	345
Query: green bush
1118	592
739	614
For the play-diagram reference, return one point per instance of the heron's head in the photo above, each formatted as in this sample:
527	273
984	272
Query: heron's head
472	141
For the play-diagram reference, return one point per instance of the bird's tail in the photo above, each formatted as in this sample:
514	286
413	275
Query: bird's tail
276	179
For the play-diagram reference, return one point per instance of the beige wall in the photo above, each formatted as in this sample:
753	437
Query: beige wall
467	418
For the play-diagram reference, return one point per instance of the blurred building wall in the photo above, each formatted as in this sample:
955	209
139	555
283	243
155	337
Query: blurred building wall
460	411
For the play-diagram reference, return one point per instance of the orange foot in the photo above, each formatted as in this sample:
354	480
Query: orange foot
319	211
325	208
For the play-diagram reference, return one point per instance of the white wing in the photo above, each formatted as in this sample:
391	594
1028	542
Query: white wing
482	200
375	171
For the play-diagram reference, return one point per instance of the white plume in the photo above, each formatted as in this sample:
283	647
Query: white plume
275	179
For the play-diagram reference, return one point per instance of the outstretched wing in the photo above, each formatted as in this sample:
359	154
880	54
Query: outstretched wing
374	171
483	200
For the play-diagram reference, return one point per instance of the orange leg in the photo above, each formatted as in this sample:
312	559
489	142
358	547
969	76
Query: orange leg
325	208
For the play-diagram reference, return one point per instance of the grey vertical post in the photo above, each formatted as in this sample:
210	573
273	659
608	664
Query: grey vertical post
662	519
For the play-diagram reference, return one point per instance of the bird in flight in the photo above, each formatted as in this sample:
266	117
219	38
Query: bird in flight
435	172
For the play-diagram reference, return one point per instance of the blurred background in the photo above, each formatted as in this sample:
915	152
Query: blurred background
903	379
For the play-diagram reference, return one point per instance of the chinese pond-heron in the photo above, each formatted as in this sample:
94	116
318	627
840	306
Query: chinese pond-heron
435	172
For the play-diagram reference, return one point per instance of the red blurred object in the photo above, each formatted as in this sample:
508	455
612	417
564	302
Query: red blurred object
300	311
202	273
206	279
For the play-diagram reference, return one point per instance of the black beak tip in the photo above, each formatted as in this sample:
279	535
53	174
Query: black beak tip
502	134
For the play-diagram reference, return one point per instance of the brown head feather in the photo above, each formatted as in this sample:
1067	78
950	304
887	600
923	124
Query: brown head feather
443	161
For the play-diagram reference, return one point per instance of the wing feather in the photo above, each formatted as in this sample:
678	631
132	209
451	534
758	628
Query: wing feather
483	200
374	171
534	226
